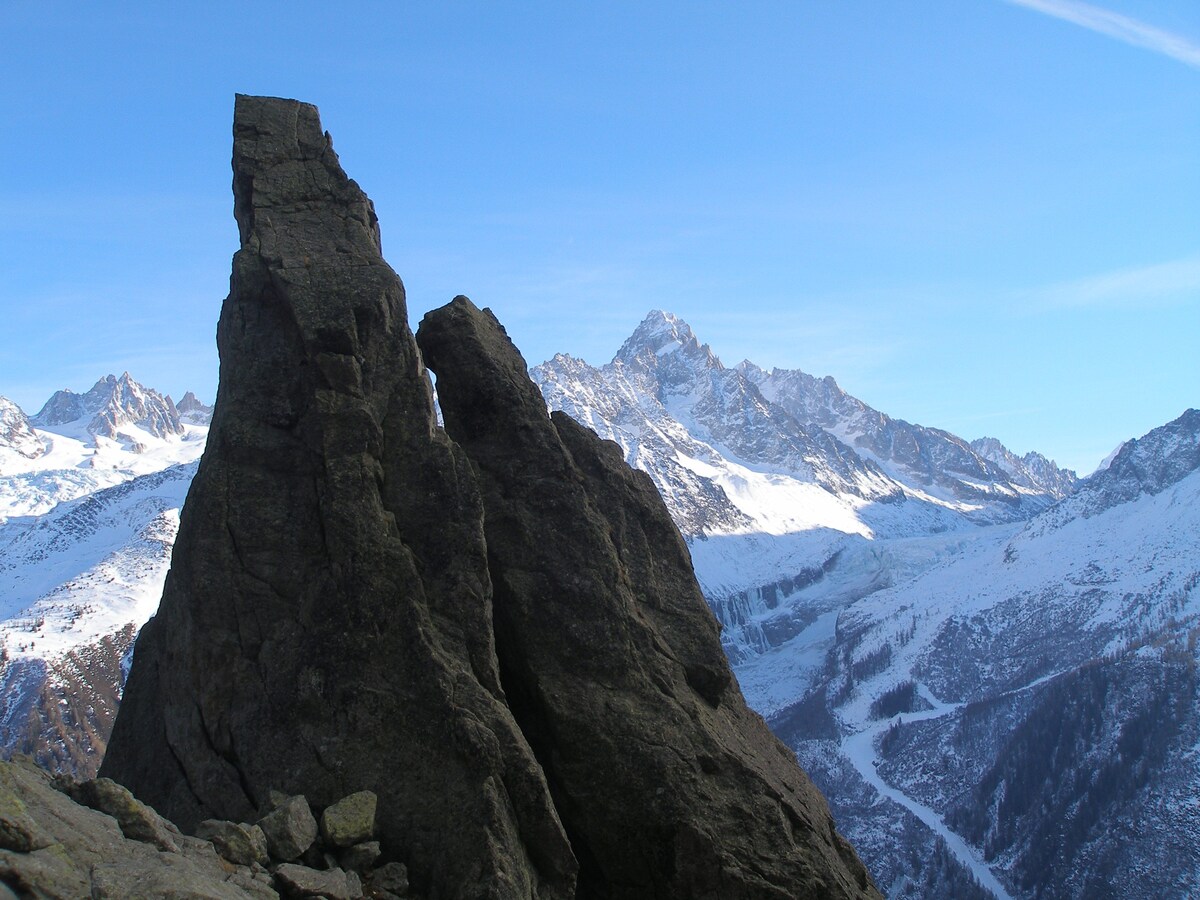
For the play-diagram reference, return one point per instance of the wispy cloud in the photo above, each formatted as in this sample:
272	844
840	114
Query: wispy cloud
1168	282
1115	25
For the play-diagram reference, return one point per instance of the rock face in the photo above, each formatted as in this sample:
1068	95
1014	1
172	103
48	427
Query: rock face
503	641
667	784
326	624
16	432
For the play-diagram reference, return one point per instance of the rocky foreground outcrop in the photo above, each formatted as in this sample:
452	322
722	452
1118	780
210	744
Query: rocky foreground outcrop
62	839
493	627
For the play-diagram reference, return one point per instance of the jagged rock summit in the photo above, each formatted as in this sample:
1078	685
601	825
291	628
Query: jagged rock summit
111	407
16	431
326	624
494	628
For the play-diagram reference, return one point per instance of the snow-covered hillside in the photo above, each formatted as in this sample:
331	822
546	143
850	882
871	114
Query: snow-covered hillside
1032	700
86	530
987	664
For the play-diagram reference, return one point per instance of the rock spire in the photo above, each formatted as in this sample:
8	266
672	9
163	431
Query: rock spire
326	624
493	627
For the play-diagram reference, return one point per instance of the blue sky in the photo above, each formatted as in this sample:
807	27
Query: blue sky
982	215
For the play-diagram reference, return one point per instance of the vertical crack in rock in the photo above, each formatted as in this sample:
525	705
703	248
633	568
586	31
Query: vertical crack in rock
338	529
667	783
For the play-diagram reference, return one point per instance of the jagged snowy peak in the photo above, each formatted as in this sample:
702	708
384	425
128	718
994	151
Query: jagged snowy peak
933	460
110	407
192	411
1145	465
16	433
1033	470
1107	461
116	431
661	333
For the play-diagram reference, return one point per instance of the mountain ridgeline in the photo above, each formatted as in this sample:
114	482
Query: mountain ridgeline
494	626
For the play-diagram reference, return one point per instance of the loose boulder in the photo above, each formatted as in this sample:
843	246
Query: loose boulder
242	845
290	829
349	821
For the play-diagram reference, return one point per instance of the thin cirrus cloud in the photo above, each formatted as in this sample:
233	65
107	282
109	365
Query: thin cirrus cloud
1115	25
1177	281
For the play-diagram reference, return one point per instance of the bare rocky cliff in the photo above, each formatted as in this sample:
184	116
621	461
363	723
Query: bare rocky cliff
494	627
326	623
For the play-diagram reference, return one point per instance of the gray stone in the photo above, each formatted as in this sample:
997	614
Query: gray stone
349	821
239	843
301	881
138	822
669	785
18	831
360	857
390	879
85	853
290	829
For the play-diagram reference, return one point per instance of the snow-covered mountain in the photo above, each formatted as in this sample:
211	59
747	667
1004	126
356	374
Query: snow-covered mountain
778	479
17	437
90	491
1031	470
986	663
119	409
1032	701
982	471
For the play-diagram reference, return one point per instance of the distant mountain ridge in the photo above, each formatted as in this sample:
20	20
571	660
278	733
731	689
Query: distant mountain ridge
90	491
775	475
790	422
940	462
111	406
17	433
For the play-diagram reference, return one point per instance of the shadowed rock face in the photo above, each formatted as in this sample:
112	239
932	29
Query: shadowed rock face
668	785
328	624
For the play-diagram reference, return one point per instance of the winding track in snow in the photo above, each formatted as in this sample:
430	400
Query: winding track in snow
859	748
